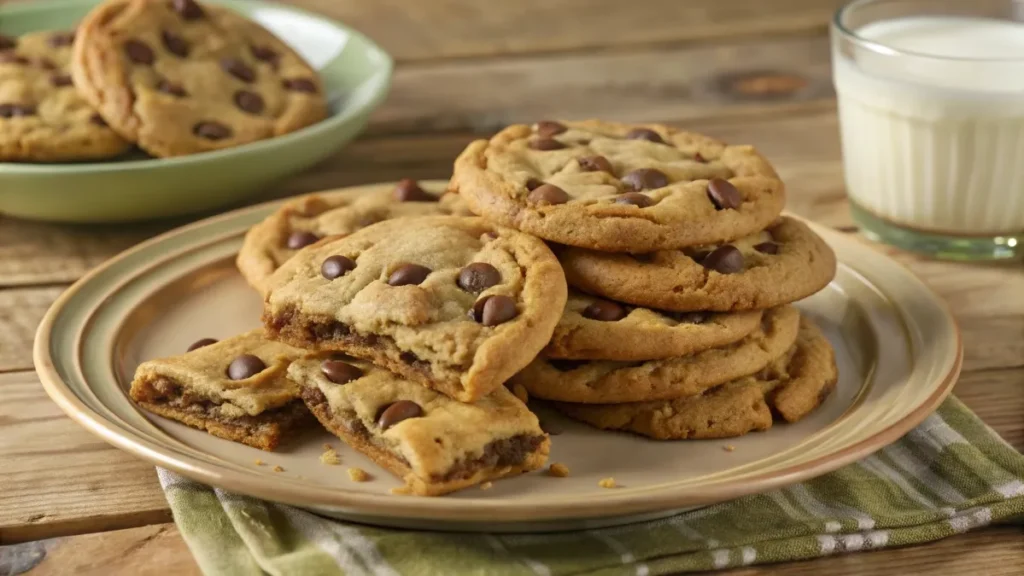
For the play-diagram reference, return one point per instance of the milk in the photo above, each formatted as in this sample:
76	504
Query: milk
932	140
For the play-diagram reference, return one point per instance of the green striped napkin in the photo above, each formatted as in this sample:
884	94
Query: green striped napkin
949	475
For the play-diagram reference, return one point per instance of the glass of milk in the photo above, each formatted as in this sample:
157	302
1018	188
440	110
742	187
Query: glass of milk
931	114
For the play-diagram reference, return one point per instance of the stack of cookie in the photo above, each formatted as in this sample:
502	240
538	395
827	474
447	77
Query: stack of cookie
682	269
172	77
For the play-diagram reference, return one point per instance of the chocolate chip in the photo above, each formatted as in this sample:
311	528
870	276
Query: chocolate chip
264	54
12	58
689	317
494	310
547	194
299	85
566	365
478	276
16	110
595	164
188	9
62	39
724	259
200	343
767	248
47	64
549	128
339	372
300	239
635	199
245	366
605	311
97	120
698	158
250	102
60	80
139	52
397	412
645	179
723	194
238	69
645	134
546	144
212	130
336	266
175	44
168	87
408	274
698	256
6	42
408	190
533	183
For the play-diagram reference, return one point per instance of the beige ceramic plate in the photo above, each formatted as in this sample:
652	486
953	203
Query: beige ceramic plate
898	350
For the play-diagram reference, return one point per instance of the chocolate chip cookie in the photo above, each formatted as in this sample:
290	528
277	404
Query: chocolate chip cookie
179	77
618	187
42	116
453	303
609	382
596	328
234	389
435	444
307	219
790	387
784	263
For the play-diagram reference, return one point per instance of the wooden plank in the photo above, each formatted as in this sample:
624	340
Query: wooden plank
58	479
160	549
667	84
154	550
37	253
416	30
20	312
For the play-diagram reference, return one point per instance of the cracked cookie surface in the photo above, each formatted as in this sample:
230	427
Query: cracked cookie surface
791	387
42	117
435	444
311	217
182	77
234	389
453	303
610	382
782	264
595	328
618	187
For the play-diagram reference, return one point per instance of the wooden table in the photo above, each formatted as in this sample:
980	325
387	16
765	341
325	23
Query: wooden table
746	71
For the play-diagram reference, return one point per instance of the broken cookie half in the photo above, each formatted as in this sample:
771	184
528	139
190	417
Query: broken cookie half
234	389
436	445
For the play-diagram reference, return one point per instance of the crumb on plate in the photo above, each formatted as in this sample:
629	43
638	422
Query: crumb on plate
729	448
607	483
259	462
486	485
330	457
278	469
558	470
359	475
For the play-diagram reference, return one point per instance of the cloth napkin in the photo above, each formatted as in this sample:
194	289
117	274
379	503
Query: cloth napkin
949	475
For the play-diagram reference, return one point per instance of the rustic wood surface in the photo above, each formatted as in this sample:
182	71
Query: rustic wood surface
741	70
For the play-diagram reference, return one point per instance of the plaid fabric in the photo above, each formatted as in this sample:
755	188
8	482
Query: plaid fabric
949	475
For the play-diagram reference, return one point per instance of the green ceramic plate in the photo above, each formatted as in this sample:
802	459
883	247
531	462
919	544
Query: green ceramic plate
356	72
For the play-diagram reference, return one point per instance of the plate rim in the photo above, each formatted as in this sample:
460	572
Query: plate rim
266	146
453	509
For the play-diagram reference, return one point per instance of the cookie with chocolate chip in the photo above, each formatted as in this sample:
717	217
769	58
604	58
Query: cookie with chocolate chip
436	445
791	387
42	116
781	264
454	303
307	219
618	187
596	328
234	389
613	382
180	77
